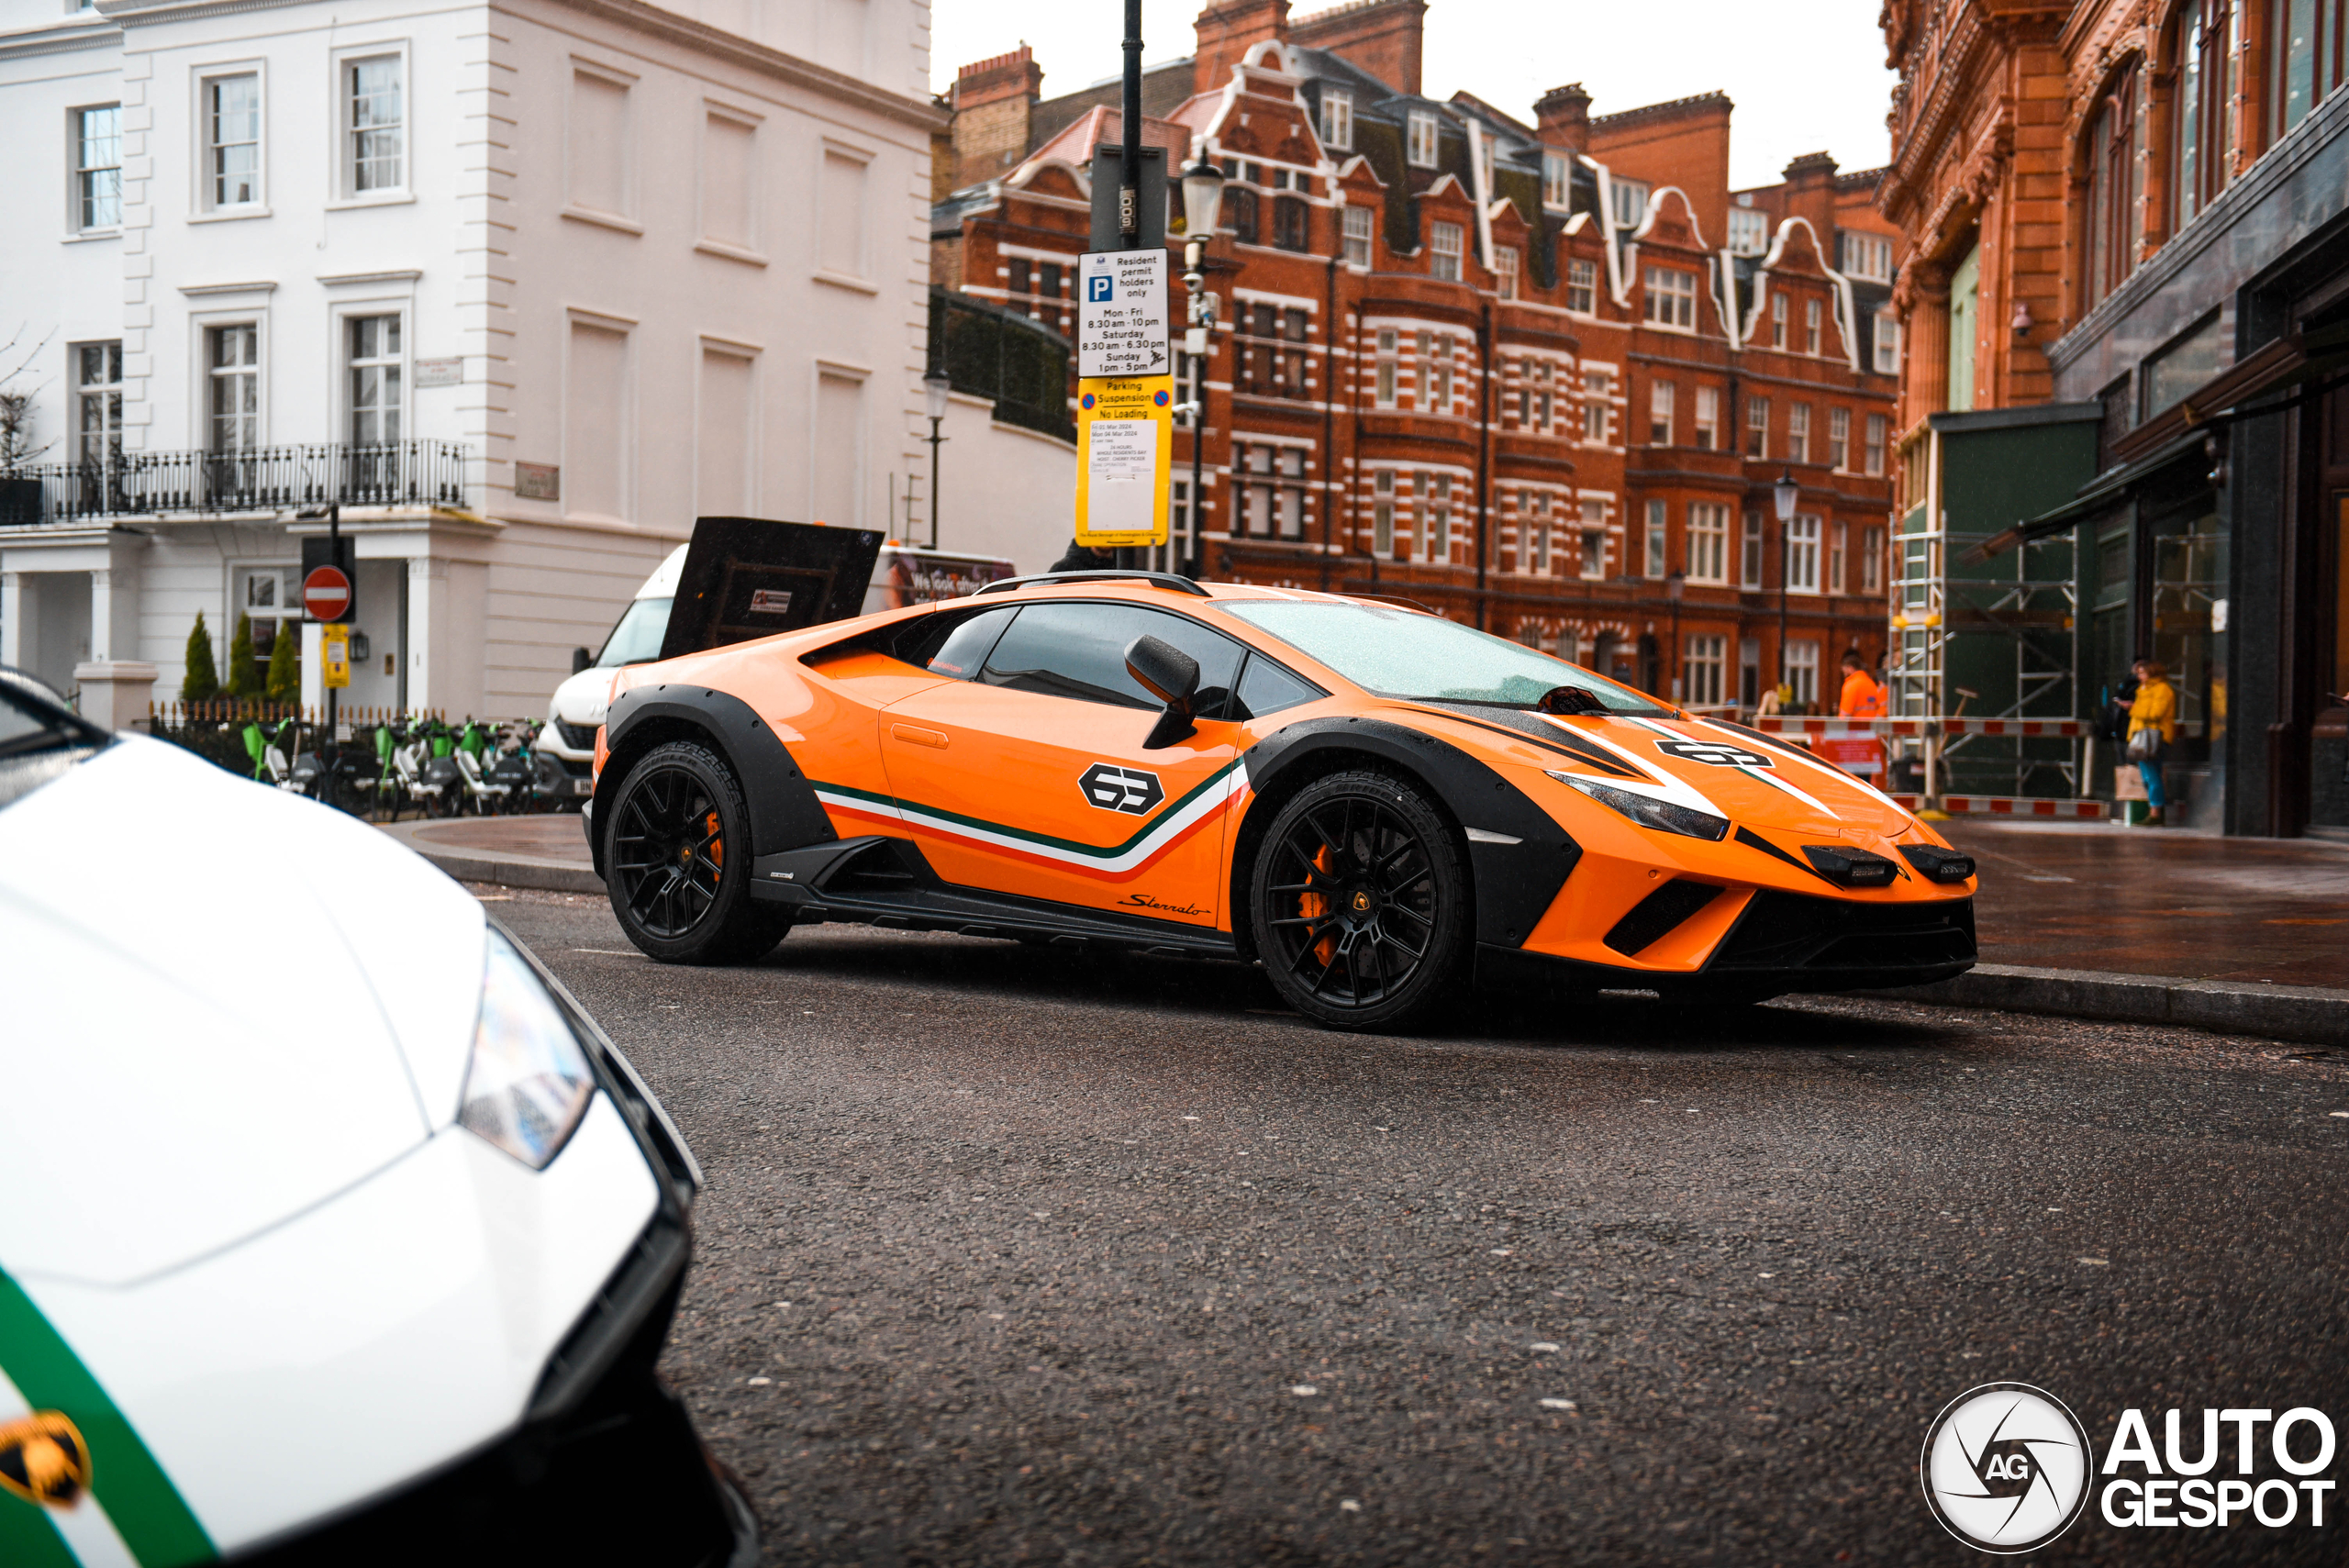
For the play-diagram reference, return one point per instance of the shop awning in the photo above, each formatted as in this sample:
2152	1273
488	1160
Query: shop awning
2103	491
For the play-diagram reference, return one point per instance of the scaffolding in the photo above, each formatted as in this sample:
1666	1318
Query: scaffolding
1990	636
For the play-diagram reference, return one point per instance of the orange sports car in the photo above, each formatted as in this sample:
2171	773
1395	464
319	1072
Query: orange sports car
1377	805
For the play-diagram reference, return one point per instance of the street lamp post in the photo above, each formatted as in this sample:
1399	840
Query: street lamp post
1784	496
1202	210
934	388
1674	586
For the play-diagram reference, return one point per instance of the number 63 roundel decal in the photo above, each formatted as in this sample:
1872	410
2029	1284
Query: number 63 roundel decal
1113	788
1713	752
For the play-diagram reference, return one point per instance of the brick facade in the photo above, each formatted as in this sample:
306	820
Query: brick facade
1552	404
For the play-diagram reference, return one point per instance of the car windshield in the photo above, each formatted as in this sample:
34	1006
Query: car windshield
637	639
1400	653
38	741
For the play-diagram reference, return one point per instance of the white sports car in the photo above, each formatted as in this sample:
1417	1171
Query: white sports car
335	1231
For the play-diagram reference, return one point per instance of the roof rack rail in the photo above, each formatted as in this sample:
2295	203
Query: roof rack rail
1156	579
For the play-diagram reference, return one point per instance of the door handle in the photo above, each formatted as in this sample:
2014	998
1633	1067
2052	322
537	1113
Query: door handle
917	736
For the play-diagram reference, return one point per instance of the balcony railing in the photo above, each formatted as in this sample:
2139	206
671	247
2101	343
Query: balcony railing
263	479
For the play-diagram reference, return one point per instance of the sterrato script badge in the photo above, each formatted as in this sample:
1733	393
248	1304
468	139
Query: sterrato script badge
44	1459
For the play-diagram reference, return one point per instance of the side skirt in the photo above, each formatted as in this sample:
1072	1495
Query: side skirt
881	881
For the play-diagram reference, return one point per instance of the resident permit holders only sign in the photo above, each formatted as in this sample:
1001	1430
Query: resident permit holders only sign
1121	314
1125	438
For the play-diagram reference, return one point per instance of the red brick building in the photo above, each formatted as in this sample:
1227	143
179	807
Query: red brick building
1538	375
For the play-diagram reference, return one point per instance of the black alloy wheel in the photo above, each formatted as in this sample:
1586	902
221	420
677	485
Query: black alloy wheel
676	862
1360	903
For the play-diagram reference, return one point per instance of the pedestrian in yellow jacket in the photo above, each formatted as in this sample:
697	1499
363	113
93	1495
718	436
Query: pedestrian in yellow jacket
2153	715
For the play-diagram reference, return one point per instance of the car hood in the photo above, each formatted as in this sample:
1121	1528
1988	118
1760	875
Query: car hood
226	1004
1754	780
582	698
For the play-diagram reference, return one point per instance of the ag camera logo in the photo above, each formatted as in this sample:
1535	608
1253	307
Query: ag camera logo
2006	1468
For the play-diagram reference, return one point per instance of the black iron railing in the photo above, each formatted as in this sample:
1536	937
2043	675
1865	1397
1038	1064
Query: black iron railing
263	479
1022	365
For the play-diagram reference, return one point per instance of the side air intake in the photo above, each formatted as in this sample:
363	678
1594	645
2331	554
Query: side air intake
1655	916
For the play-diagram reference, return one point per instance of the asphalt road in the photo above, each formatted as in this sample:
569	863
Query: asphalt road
1014	1257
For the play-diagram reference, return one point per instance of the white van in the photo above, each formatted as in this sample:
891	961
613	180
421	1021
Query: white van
904	575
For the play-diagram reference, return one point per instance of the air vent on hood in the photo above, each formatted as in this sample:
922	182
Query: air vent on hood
1850	868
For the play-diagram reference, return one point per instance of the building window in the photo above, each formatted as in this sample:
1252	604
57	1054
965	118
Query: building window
1703	670
1537	515
1749	231
375	379
1337	120
375	128
1749	670
1707	542
1839	439
1631	202
1582	286
1802	671
600	164
98	168
1757	427
1865	256
1505	264
1838	539
1594	540
1748	561
1178	509
1239	215
1657	549
1660	399
1382	514
1386	388
1802	554
2202	107
1290	228
1872	560
1777	320
1555	172
2305	58
232	141
841	225
1671	297
1447	240
1877	426
1798	433
97	403
1438	544
1708	418
1597	385
1357	236
270	601
1811	316
2115	181
232	361
1420	140
1888	342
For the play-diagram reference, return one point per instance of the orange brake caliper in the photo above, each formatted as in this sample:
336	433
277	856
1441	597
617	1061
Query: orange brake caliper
1313	905
717	848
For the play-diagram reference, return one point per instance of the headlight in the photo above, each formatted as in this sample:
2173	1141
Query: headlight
1649	812
529	1082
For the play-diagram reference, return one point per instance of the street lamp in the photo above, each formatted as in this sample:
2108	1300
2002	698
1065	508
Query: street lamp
1202	209
1674	587
934	388
1784	496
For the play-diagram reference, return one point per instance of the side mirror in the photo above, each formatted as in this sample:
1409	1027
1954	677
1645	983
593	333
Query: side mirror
580	660
1171	675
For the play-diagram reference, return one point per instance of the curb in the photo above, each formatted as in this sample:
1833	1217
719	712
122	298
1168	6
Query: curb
502	871
2314	1013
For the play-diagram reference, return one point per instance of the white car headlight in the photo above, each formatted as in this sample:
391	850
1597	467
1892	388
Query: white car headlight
529	1082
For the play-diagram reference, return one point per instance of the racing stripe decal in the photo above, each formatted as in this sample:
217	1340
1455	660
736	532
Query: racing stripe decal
144	1508
1152	841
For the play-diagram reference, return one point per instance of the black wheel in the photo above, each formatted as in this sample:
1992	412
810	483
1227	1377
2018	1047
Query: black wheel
1360	903
445	802
676	862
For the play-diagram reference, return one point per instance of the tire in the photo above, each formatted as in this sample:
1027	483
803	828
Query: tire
1360	903
665	854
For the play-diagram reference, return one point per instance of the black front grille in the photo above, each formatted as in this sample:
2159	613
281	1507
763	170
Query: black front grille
1793	930
578	736
1658	913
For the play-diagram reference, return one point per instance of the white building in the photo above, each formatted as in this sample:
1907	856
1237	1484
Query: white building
525	286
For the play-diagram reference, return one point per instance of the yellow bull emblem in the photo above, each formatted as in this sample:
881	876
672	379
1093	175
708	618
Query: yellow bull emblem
44	1459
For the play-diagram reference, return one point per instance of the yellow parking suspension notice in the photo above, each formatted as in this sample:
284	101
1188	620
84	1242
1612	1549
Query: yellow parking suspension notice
1125	441
334	655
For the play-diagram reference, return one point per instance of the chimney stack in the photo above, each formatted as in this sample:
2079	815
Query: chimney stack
1563	117
1382	37
1810	193
994	111
1229	30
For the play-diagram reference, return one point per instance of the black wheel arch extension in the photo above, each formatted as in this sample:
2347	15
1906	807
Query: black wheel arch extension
784	812
1514	883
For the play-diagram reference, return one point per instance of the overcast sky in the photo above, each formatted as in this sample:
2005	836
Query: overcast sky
1806	75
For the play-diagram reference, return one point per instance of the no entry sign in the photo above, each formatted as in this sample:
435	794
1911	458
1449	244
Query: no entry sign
326	593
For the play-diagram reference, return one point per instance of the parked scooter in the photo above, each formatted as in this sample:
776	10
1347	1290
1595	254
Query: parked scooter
270	747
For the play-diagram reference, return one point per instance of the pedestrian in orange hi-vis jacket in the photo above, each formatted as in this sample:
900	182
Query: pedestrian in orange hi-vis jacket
1862	697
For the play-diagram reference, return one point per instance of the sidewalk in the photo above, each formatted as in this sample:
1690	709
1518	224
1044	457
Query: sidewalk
2141	925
